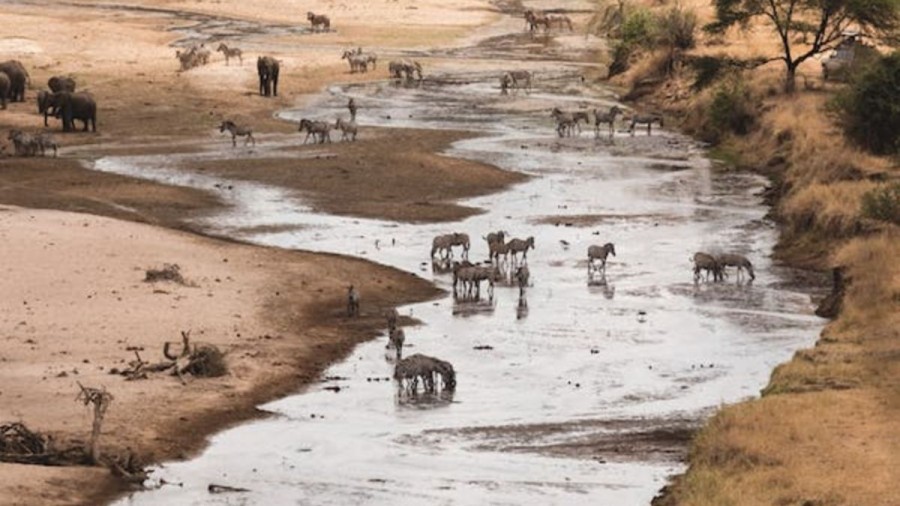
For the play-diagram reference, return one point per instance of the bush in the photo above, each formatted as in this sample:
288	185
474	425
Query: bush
870	109
883	203
676	28
638	28
731	111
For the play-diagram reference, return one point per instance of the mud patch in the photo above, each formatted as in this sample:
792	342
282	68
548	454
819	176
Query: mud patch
592	220
613	440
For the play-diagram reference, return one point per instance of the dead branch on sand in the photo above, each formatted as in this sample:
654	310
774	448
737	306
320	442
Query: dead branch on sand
101	399
200	360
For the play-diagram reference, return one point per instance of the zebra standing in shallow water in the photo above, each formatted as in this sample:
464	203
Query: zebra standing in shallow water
645	119
734	260
237	131
599	252
606	117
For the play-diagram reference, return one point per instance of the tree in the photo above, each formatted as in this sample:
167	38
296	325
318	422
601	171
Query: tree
796	20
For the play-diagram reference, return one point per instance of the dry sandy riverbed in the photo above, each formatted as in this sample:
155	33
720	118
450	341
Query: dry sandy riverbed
74	296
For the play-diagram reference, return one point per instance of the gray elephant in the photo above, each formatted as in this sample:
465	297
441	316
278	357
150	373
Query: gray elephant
4	88
61	83
18	78
71	106
268	68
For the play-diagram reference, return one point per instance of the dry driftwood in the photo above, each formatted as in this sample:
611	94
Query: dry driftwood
202	360
221	489
19	445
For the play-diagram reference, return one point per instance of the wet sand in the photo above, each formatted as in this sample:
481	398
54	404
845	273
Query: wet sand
76	280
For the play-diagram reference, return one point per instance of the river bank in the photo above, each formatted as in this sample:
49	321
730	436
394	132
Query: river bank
76	303
825	429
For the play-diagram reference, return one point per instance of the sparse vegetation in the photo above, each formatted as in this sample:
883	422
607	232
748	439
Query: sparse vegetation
883	203
635	28
795	21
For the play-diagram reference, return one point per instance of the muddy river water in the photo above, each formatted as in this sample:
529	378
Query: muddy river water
585	390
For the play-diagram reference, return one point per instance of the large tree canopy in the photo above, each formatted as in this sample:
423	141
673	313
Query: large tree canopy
795	21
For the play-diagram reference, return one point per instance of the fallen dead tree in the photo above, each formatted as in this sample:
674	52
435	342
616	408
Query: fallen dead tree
199	360
19	445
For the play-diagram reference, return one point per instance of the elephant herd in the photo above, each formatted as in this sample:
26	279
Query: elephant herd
60	100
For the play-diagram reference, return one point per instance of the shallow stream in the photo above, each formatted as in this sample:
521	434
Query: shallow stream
585	390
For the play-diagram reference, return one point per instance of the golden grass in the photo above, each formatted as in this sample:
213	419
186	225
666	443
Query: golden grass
834	209
827	429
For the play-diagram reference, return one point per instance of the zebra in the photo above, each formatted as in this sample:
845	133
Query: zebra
447	241
231	52
709	263
518	79
400	69
520	246
560	22
734	260
357	62
522	274
417	366
606	117
392	316
46	141
471	277
645	119
396	338
352	301
237	131
352	107
319	22
567	122
599	252
23	143
534	19
318	129
347	128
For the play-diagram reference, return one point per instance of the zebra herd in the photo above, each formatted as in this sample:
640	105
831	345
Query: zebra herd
537	20
568	123
433	373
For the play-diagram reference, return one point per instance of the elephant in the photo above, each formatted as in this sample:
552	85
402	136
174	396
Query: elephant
72	106
4	88
61	83
268	68
18	78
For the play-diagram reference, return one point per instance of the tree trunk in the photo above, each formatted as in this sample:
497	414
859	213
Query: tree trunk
790	78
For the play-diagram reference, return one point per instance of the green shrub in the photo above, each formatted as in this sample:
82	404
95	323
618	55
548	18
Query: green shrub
883	203
638	28
731	111
870	107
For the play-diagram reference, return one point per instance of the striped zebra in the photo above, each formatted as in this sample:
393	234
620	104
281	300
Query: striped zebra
230	52
237	131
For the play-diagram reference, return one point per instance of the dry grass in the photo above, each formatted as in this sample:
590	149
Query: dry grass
826	430
833	209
